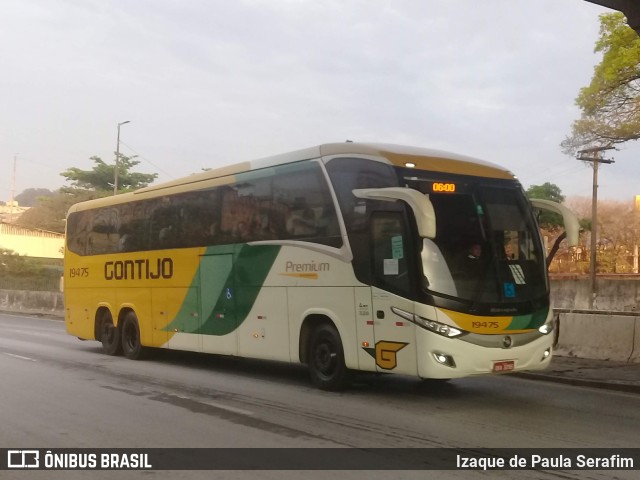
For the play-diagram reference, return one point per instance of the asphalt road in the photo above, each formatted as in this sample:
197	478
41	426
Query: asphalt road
57	391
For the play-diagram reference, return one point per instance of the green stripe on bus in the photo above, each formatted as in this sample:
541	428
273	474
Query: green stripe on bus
230	292
534	320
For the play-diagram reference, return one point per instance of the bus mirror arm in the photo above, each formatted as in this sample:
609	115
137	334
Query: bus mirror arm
419	203
571	224
554	249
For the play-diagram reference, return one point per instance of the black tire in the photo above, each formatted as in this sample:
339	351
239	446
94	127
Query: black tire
326	359
109	335
130	331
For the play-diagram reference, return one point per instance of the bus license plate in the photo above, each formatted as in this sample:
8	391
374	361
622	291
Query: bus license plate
503	366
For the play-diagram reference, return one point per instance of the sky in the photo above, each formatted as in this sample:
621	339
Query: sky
207	83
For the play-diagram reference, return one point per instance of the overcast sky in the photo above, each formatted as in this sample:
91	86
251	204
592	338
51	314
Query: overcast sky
207	83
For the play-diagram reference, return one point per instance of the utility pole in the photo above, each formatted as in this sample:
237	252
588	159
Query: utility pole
13	189
635	247
115	180
583	155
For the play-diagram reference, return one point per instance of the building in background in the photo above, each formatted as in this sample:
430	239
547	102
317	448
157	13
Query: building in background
10	212
30	242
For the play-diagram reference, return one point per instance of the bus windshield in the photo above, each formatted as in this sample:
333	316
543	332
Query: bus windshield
486	248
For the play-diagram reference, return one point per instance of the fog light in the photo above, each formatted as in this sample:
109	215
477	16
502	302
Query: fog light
446	360
546	354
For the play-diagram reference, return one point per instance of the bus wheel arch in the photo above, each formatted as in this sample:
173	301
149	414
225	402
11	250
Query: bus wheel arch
130	335
321	348
107	333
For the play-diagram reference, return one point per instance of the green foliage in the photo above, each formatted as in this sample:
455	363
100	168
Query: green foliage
29	197
101	177
50	212
15	264
547	191
23	273
11	262
611	103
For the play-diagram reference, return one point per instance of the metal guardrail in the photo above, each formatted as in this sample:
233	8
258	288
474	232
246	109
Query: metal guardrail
597	312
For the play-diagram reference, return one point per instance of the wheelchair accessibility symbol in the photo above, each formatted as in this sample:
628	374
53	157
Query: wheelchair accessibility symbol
509	290
229	294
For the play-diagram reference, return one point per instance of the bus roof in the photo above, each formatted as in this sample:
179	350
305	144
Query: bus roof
399	155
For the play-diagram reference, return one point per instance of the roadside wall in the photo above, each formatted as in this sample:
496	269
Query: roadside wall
603	336
22	301
618	294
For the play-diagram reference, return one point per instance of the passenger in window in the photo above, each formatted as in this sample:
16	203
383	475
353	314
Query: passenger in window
326	223
508	252
475	251
125	244
302	220
166	235
470	263
242	232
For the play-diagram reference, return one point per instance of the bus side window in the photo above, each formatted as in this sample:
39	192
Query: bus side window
77	225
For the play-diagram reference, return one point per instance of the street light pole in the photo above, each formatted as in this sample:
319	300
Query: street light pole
115	181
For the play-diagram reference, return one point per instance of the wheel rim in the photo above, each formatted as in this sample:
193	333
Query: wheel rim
325	359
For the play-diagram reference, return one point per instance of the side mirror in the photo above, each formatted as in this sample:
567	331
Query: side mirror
571	224
419	203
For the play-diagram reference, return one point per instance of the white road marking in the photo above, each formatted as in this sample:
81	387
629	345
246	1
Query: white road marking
20	357
218	405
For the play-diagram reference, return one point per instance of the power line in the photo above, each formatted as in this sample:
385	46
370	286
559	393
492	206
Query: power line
547	174
147	160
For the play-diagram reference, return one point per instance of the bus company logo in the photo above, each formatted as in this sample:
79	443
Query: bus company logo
142	269
305	270
386	353
23	459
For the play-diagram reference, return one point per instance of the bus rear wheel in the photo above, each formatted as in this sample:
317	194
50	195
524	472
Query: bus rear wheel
131	344
109	335
326	359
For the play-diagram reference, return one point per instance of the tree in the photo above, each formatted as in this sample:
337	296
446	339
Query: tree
547	191
611	103
101	177
50	212
30	196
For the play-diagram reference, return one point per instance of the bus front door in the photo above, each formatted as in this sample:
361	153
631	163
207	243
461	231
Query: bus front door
395	349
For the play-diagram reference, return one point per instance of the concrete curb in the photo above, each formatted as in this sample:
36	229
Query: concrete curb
581	382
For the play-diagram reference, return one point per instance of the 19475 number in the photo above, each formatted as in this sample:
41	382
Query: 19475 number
486	325
79	272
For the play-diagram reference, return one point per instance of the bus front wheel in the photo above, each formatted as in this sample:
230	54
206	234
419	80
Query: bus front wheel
131	344
109	335
326	359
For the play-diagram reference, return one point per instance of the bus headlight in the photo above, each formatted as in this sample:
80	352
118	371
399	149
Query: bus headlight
431	325
546	329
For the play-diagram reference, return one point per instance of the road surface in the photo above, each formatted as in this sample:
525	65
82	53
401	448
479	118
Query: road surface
60	392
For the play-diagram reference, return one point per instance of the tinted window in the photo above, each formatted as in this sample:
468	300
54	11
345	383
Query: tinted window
289	202
347	174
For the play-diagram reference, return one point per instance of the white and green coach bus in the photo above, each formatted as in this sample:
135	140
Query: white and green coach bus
345	257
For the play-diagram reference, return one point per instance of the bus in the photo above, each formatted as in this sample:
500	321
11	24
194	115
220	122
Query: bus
344	257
